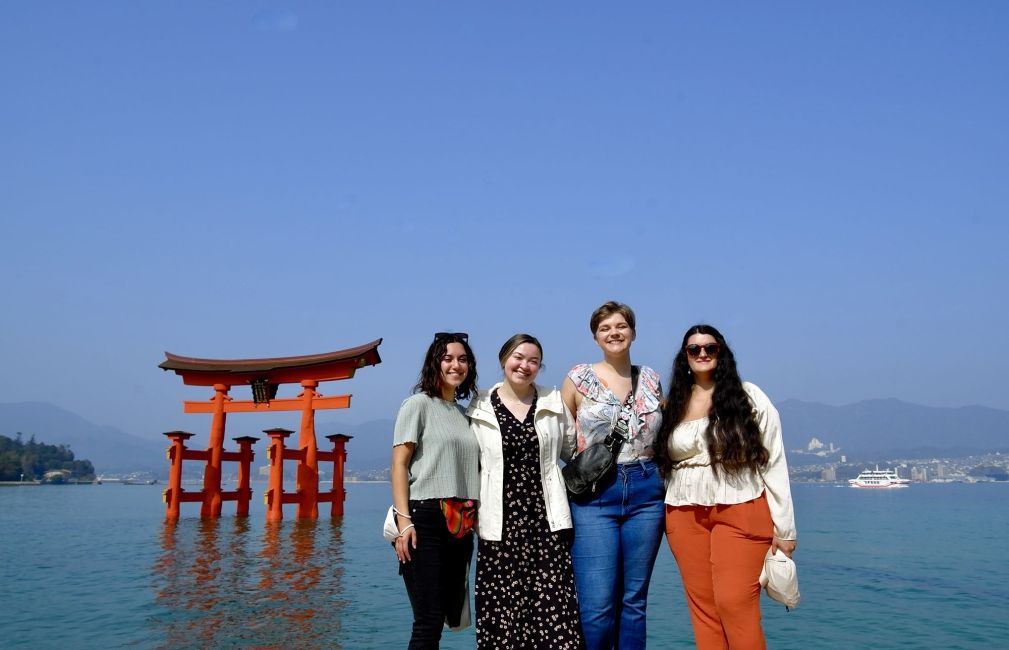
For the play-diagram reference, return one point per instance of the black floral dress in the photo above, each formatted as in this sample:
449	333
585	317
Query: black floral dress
525	585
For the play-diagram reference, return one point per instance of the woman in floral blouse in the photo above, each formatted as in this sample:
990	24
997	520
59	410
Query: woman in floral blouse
617	531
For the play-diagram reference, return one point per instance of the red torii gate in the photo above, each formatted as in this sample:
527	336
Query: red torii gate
264	376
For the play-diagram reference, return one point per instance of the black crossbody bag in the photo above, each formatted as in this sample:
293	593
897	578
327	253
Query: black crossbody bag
589	471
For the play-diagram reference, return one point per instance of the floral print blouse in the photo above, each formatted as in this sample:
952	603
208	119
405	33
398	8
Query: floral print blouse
600	409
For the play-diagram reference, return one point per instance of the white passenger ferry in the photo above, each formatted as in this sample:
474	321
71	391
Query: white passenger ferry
878	478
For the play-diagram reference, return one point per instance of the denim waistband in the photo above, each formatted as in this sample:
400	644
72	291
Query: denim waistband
645	465
638	461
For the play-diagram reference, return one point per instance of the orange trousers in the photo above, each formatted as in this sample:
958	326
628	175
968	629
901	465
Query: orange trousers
720	552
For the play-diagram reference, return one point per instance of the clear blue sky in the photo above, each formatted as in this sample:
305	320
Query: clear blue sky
826	183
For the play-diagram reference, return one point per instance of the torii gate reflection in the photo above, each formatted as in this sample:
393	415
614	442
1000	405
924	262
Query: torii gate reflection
264	376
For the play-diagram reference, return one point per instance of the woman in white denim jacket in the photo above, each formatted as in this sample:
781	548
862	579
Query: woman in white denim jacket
524	565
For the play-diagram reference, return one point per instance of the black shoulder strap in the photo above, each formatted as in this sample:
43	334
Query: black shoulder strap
617	435
629	400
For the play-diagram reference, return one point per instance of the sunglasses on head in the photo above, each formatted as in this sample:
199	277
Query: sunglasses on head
694	350
452	335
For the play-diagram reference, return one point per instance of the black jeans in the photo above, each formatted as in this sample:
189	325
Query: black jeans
435	577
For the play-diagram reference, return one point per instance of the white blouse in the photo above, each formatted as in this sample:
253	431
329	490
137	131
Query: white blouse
694	484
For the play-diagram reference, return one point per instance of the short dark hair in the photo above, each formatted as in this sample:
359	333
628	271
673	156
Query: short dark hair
515	341
606	310
429	381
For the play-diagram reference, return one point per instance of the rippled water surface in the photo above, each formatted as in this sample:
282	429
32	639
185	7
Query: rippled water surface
97	567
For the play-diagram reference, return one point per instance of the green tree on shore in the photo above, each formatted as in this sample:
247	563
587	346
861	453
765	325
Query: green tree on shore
33	459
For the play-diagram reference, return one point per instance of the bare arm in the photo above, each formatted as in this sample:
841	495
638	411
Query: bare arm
401	457
569	439
572	400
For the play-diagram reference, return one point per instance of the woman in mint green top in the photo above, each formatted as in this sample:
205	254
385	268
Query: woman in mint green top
435	459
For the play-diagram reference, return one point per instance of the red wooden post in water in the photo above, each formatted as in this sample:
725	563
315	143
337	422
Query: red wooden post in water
244	456
274	497
212	474
265	376
308	469
338	457
173	494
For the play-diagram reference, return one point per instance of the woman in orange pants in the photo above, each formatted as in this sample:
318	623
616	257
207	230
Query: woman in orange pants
727	493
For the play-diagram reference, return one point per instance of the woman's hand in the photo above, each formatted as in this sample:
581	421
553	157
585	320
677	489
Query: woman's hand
400	468
786	546
406	541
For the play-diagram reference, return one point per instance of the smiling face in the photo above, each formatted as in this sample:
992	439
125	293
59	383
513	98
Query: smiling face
702	353
614	335
454	368
522	365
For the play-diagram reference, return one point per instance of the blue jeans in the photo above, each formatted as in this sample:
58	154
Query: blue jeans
617	536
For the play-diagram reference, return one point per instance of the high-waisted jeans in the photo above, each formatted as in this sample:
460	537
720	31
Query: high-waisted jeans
435	577
617	536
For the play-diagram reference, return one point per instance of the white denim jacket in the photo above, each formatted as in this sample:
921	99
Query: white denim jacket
554	427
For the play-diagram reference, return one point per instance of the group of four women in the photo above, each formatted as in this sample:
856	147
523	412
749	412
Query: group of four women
705	464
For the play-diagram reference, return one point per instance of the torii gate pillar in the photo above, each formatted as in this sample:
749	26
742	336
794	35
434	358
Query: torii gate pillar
339	494
212	474
307	482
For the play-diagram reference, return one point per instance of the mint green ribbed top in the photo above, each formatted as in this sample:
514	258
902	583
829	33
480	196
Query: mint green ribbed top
446	460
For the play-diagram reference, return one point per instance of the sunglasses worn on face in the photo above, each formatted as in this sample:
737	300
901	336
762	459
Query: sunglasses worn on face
444	335
694	350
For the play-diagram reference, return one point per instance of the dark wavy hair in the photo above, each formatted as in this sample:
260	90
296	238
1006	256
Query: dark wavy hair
429	381
733	436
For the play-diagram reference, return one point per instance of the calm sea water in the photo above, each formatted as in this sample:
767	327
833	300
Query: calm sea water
96	567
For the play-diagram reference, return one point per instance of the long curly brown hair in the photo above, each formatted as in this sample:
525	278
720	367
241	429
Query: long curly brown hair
733	436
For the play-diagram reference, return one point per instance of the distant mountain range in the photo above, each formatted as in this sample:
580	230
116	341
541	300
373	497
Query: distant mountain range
891	428
878	428
109	449
371	447
112	450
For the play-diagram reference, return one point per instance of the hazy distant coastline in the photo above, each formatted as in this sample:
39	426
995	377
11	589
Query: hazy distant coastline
884	431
